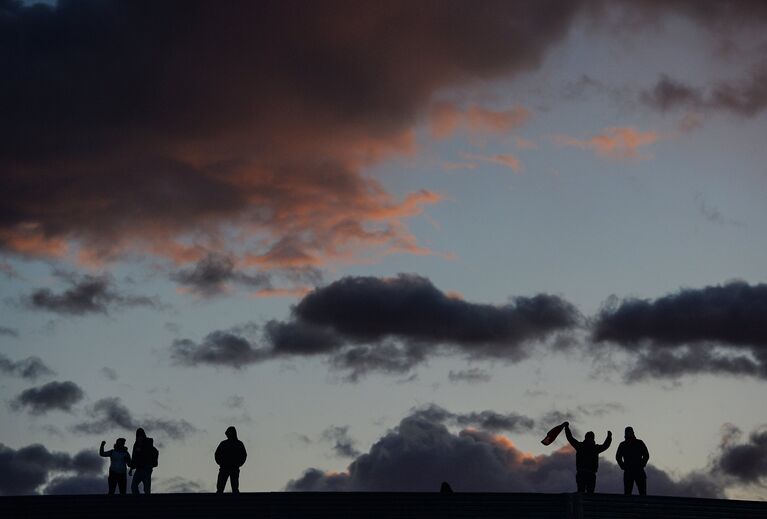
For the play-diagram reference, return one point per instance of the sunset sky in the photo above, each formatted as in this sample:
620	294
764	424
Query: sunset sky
393	243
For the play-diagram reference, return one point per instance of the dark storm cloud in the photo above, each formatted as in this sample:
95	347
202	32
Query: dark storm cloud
30	368
49	397
716	329
86	295
24	470
362	325
746	98
213	275
109	414
744	461
421	452
410	307
145	121
343	444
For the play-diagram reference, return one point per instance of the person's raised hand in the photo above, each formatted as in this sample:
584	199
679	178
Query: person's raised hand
103	443
566	424
609	433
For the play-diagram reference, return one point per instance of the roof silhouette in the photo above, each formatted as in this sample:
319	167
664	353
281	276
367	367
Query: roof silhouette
379	505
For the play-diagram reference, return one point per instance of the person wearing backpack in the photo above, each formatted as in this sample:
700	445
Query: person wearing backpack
119	460
230	456
144	459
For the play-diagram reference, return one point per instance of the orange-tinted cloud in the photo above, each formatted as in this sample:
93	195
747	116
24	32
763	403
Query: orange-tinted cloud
447	118
615	143
248	130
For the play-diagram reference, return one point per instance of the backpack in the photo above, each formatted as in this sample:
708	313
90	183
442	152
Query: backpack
154	456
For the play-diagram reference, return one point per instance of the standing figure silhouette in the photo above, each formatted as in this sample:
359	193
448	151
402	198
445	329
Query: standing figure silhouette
119	460
144	459
632	457
230	456
587	458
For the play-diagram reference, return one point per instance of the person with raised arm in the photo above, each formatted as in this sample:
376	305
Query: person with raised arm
119	461
587	458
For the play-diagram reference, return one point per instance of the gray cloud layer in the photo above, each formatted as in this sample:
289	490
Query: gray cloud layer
367	324
25	470
30	368
86	294
746	98
51	396
716	329
109	414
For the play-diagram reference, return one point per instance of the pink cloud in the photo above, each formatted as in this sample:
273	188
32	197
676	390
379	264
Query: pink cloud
615	143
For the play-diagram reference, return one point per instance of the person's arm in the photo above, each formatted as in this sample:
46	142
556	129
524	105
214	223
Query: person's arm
102	452
645	453
619	457
217	455
127	459
575	443
244	454
607	442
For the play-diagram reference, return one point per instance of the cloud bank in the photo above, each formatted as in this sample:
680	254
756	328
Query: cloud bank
421	452
154	140
716	329
25	470
367	324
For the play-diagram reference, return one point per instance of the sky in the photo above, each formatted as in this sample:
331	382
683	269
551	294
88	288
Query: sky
391	243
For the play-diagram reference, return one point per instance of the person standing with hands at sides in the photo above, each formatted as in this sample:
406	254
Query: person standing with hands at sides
587	458
144	459
119	460
230	456
632	457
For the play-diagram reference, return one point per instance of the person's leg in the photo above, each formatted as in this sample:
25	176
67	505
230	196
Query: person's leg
111	482
223	474
234	480
122	482
135	480
147	481
579	482
628	482
591	483
641	479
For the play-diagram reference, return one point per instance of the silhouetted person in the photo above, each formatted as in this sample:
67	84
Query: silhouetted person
143	460
587	458
230	456
445	488
119	460
632	457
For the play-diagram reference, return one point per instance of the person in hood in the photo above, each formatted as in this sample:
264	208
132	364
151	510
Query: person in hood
143	461
587	458
119	460
632	457
230	456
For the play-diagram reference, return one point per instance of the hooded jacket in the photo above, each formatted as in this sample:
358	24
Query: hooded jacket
231	453
144	454
587	452
632	454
